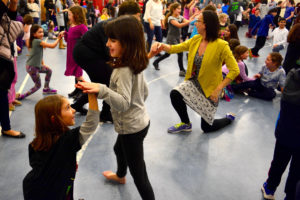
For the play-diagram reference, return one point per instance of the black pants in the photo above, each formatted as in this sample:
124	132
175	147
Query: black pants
97	70
180	60
184	33
259	43
181	108
282	156
129	151
4	110
257	90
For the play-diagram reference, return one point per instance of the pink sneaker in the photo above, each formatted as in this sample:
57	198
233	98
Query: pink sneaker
49	91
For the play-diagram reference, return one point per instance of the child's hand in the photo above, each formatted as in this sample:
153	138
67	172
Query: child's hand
257	76
87	87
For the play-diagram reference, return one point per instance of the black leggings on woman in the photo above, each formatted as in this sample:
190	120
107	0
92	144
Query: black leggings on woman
129	151
180	107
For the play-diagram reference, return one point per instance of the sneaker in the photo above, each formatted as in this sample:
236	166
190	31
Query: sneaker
268	194
49	91
250	53
182	73
230	116
180	127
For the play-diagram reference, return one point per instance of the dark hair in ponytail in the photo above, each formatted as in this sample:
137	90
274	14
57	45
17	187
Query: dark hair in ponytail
172	8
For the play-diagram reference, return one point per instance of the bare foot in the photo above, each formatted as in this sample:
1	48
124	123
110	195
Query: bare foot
112	176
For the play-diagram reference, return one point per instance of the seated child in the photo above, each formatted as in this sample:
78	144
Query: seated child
240	53
223	19
51	34
279	35
267	80
52	153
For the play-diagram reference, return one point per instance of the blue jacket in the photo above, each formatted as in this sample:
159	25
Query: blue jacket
253	20
263	26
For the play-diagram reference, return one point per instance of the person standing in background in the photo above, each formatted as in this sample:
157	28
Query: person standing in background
34	11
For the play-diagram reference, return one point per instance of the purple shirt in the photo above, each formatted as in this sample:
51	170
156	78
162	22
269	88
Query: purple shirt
71	38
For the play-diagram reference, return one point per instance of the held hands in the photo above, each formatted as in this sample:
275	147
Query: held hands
87	87
257	76
156	48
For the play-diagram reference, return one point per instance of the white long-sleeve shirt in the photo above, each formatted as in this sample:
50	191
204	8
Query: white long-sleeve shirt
279	36
154	11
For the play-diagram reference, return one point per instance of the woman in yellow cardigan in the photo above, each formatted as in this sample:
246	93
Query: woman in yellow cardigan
203	81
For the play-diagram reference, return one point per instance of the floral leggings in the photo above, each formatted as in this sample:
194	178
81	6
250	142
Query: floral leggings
34	73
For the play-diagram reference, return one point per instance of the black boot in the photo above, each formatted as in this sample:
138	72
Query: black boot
75	92
105	115
78	105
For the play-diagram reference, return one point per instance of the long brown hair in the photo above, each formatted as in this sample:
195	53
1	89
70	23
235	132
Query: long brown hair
239	51
78	15
129	32
33	30
294	34
49	125
173	6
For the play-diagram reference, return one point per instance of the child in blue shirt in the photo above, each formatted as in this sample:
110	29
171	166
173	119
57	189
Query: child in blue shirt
267	80
254	19
262	33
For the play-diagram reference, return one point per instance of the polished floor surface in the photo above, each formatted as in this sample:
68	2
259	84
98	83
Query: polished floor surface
230	164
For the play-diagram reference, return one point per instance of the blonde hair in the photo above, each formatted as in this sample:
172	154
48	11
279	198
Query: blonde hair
222	16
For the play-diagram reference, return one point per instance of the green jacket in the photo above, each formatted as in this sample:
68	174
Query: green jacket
216	54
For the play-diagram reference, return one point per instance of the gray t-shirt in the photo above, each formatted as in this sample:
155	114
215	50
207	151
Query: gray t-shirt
174	32
35	54
272	79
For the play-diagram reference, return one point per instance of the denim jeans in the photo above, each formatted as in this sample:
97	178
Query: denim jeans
278	48
150	33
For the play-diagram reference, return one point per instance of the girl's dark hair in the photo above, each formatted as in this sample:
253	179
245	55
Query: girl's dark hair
294	34
78	15
276	58
172	8
273	10
239	51
233	31
27	19
33	30
49	125
129	8
210	7
129	32
211	21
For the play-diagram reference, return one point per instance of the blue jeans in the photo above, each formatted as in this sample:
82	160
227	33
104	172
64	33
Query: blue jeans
257	90
150	33
278	48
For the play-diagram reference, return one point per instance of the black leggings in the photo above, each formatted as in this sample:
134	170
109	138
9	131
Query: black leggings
129	151
180	60
180	107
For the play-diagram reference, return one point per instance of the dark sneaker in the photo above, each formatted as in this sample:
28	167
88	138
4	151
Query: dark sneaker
49	91
180	127
268	194
182	73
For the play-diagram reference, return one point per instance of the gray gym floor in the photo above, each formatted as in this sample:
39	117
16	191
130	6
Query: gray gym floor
230	164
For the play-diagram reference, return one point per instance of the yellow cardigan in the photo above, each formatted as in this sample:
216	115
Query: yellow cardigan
216	53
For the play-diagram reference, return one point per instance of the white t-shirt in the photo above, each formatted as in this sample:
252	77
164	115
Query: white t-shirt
279	36
154	11
240	15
